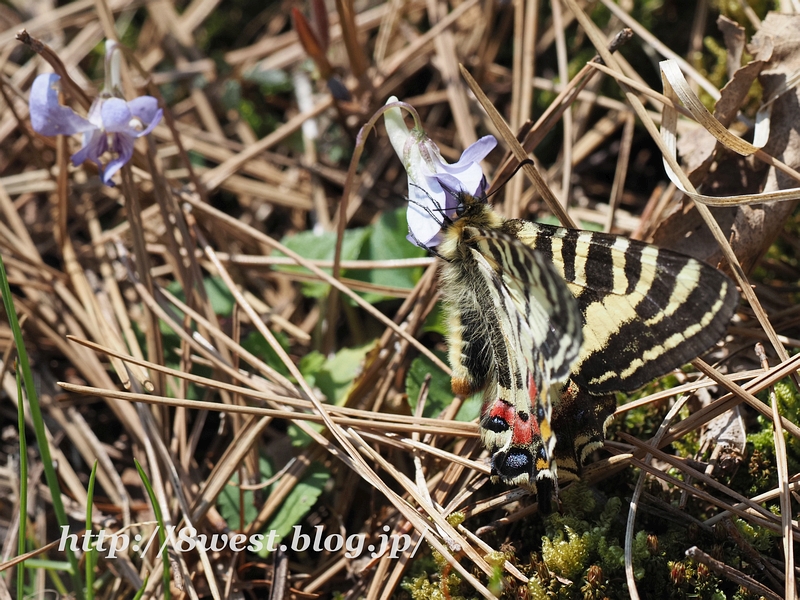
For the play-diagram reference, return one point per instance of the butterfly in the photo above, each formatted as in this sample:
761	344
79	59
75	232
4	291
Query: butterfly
547	322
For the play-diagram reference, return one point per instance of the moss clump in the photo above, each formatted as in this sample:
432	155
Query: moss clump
761	467
566	557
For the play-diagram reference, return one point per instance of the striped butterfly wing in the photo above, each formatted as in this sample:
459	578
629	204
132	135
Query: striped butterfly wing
645	310
541	301
515	331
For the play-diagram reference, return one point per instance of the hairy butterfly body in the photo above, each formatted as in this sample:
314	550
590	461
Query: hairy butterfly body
548	321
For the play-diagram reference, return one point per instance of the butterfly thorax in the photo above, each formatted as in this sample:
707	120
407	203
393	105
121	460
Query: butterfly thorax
472	213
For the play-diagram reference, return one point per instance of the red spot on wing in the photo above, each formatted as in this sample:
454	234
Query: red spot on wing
522	432
501	410
533	391
533	394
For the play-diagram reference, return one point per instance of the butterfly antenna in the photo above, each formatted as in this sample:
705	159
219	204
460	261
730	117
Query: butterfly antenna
521	164
437	213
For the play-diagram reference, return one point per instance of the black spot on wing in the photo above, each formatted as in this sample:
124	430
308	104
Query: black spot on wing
568	255
510	464
599	266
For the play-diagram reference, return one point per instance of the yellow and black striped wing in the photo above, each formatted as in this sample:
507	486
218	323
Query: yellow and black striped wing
540	302
645	310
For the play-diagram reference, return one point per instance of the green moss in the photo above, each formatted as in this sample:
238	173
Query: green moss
566	557
535	590
455	519
692	580
760	538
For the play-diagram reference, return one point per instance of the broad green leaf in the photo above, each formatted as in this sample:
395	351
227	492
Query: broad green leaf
311	364
270	81
219	295
470	409
436	321
387	241
339	371
440	395
258	346
384	240
321	247
334	377
297	504
300	438
228	500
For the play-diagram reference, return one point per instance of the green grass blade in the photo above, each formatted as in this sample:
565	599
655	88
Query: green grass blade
91	555
140	593
162	530
23	488
38	423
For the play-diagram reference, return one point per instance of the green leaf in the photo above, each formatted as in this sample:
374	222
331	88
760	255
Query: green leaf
300	438
24	368
387	241
321	247
270	81
471	408
228	500
384	240
297	504
440	396
162	530
219	296
339	371
311	364
334	377
436	321
260	347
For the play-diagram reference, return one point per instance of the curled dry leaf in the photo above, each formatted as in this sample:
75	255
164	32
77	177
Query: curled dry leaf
721	172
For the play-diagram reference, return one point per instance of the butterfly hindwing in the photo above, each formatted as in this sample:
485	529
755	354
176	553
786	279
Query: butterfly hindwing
580	421
515	333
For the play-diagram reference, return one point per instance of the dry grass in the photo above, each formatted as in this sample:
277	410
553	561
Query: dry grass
253	147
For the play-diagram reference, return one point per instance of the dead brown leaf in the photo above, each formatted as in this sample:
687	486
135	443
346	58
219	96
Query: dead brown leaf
752	229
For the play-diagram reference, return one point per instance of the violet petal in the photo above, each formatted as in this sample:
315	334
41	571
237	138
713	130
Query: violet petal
94	145
48	117
145	108
123	146
153	123
477	151
117	117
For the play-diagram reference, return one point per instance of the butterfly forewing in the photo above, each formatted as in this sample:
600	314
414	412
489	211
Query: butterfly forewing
542	301
646	310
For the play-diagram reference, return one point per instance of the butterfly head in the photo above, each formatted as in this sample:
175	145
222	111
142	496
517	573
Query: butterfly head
471	211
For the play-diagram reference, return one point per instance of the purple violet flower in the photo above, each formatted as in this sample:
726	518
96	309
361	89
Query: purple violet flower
431	180
112	124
